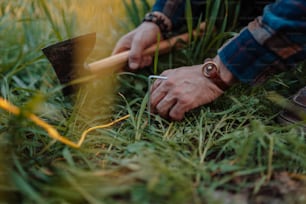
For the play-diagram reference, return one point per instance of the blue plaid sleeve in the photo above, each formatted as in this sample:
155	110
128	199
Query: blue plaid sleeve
175	10
269	44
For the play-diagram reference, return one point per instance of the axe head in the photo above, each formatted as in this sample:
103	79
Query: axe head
68	58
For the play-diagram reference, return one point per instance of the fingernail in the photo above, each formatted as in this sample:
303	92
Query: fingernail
133	65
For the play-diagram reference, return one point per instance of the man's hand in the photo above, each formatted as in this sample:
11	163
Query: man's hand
185	89
137	41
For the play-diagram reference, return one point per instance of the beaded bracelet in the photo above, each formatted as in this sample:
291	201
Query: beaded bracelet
160	21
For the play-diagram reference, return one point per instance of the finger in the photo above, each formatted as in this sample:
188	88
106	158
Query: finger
177	112
156	83
135	56
164	106
121	46
120	49
156	96
146	61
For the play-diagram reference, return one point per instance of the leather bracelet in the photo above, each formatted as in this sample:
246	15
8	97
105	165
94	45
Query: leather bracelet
159	20
211	71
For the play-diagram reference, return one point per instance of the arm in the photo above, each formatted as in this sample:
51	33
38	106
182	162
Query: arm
171	13
269	44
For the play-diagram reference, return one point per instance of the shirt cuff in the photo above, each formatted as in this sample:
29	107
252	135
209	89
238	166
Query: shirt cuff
246	58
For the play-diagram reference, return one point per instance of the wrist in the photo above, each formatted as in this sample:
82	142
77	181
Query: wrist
161	20
225	74
216	71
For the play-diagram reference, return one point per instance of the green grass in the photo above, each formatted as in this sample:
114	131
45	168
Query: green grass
233	146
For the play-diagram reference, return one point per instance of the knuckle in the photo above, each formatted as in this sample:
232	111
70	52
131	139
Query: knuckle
166	72
134	56
177	93
177	114
184	101
169	82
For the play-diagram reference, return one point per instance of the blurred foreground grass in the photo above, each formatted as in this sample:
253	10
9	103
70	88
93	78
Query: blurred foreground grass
229	151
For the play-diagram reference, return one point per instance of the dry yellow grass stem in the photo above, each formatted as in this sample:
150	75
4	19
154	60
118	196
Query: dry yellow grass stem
53	133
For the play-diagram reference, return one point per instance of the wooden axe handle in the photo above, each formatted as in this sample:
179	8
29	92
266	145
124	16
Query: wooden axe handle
118	61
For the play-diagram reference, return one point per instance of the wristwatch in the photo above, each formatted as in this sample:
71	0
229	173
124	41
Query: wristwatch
211	71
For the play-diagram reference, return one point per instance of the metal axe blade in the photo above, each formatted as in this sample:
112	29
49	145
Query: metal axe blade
68	58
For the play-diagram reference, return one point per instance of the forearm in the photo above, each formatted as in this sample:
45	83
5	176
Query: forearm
269	44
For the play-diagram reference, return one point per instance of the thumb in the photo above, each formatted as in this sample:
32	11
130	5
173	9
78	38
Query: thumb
135	56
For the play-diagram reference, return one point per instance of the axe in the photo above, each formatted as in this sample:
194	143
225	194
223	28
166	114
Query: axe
68	58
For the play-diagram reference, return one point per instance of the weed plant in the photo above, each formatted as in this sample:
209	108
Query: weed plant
230	151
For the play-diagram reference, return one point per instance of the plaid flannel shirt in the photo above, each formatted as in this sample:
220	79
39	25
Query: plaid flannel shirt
273	42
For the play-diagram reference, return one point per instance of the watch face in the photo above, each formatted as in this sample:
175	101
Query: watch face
210	70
